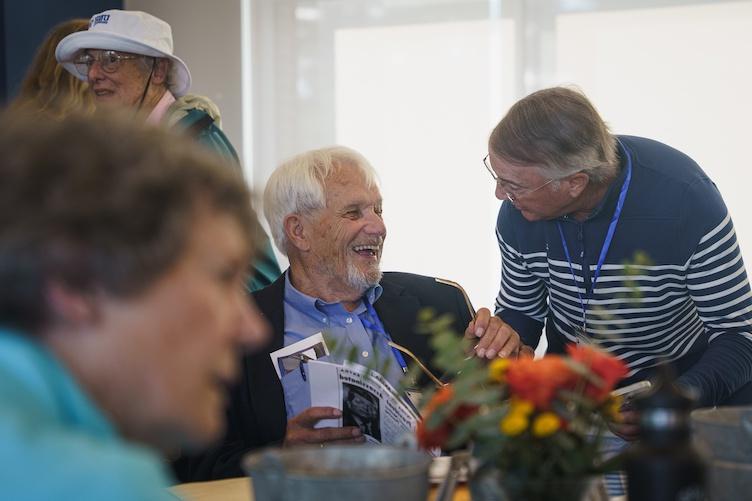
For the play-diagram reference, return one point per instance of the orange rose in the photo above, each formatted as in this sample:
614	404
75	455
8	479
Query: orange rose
607	367
437	437
539	380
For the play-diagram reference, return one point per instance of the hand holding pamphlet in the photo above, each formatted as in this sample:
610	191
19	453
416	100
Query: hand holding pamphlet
366	400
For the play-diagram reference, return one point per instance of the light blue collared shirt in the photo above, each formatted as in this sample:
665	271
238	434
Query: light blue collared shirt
306	316
56	444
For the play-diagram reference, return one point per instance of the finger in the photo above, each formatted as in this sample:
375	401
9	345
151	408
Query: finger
525	352
508	343
629	417
480	324
492	332
355	440
627	432
470	329
320	435
311	416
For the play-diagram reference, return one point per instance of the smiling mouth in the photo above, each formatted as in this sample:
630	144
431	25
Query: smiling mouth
368	251
103	92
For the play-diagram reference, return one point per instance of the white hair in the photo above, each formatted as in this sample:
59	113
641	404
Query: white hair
297	186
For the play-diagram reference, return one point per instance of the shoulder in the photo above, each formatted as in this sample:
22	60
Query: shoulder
672	183
443	295
401	283
195	105
74	465
656	162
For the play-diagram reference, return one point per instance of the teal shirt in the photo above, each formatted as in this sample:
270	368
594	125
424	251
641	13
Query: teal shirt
198	124
56	444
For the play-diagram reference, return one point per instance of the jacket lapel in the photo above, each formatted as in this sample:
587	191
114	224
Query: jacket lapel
264	388
398	311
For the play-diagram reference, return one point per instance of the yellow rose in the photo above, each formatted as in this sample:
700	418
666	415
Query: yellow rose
613	408
497	369
547	423
513	424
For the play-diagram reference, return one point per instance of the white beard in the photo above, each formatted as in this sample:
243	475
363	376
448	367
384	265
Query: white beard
361	281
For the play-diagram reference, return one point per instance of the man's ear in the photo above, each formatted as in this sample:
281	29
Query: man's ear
161	68
296	231
69	307
577	183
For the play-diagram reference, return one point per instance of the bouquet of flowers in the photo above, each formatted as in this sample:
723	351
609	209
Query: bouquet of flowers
538	423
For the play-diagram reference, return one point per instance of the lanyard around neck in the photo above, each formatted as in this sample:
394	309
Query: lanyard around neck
606	242
374	324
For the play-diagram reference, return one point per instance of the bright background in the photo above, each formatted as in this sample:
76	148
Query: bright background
417	85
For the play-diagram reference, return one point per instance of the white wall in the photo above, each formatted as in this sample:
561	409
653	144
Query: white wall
418	85
419	101
678	74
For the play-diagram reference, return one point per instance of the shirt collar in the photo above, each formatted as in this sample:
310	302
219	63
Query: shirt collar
159	111
612	194
311	305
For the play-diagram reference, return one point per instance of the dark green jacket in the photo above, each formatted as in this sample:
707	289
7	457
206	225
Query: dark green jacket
201	122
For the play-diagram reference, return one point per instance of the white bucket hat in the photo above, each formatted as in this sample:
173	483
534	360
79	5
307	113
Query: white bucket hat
127	31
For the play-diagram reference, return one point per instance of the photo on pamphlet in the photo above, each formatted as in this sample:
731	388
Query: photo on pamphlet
361	408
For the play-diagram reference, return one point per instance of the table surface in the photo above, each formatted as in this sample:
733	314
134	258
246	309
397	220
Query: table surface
239	489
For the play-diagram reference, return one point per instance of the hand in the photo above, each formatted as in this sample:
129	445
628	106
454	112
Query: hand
627	428
496	337
301	431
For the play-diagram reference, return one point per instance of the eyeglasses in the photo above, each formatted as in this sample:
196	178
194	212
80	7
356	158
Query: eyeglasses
513	194
109	61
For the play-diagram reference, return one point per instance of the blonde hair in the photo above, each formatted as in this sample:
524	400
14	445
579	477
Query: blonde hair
48	87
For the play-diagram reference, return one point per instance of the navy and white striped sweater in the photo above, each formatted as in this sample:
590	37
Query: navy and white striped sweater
694	306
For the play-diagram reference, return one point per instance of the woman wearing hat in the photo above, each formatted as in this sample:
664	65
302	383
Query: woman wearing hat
127	59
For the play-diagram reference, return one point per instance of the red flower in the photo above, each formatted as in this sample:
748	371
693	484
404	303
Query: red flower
437	437
538	381
607	367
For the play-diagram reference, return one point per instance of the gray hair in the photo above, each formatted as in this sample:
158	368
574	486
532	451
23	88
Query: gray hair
146	65
559	132
297	186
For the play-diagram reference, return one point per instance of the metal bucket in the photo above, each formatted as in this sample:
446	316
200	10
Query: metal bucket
359	472
725	434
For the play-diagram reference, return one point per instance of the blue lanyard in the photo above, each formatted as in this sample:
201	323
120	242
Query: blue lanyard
374	323
606	242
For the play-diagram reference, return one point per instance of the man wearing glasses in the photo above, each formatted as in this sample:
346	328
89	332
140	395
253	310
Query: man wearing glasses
127	59
579	204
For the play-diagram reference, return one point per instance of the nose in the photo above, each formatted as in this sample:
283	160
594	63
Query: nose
94	71
254	329
375	224
501	194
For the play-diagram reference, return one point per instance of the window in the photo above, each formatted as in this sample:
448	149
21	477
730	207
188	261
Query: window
417	85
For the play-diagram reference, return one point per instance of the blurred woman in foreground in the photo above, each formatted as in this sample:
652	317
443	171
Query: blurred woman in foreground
123	254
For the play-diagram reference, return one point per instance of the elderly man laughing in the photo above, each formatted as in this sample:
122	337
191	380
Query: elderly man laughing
324	208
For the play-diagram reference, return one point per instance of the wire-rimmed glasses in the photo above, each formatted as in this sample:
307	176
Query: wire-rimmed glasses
109	60
512	194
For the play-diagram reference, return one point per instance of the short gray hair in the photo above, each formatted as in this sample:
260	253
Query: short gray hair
297	186
558	131
147	64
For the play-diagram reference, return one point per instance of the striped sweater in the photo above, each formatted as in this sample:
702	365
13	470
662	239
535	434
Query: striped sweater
690	305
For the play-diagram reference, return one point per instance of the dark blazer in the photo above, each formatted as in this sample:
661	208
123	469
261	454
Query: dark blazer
257	415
